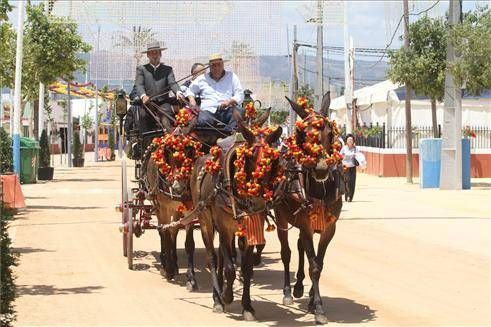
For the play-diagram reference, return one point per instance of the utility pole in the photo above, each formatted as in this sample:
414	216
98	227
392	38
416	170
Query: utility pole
293	81
354	116
409	143
40	110
69	128
18	86
41	92
304	79
319	89
348	96
451	157
96	120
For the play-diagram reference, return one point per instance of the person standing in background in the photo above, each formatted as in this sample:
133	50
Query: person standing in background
350	163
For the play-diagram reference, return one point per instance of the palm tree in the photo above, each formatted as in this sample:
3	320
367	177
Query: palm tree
239	53
139	37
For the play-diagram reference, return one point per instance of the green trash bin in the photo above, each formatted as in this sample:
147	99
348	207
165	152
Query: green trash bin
29	160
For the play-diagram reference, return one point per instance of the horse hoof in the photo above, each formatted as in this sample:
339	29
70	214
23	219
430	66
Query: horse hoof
287	300
248	315
228	297
191	286
298	291
217	308
256	259
320	319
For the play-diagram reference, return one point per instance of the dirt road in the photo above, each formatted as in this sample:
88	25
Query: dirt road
400	256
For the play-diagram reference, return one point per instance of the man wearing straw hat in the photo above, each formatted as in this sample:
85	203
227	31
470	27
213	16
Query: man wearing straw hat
221	93
155	80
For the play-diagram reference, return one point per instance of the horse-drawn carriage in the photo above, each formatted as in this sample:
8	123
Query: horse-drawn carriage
244	176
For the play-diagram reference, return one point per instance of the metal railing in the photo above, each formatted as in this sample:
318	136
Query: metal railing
379	136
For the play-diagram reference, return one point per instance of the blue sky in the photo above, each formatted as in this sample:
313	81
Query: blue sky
371	23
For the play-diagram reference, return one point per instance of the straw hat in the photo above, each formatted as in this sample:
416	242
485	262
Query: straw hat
154	46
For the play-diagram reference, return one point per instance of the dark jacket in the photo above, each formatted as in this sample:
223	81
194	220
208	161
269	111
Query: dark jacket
154	82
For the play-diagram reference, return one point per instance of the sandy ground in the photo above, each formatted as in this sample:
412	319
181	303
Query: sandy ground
400	256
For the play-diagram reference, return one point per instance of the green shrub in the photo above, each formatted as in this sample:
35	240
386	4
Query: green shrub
77	147
6	162
44	159
7	261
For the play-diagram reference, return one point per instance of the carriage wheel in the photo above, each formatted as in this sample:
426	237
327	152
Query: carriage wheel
124	199
129	234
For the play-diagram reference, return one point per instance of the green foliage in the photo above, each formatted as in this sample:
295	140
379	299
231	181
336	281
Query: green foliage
110	135
5	8
472	41
422	66
7	261
77	147
86	121
7	51
365	131
44	158
51	46
48	110
6	162
306	91
279	117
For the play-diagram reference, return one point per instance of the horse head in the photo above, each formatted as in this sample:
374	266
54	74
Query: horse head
315	135
256	165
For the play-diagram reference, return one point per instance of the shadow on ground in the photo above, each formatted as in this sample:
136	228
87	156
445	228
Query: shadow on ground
52	290
52	207
25	250
86	180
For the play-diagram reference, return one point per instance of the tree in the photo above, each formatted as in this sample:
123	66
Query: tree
472	42
307	92
6	163
7	46
422	65
7	260
140	36
44	155
279	117
51	49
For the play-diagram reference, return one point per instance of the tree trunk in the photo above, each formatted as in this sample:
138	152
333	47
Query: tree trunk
409	137
433	118
36	120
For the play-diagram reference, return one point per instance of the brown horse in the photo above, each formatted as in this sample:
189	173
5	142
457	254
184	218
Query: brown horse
166	201
319	183
216	194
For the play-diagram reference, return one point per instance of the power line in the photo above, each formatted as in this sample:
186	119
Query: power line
397	28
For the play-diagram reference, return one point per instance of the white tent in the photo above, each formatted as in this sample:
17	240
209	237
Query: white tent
384	103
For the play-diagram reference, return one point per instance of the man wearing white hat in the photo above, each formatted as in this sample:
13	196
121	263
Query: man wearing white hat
156	80
221	93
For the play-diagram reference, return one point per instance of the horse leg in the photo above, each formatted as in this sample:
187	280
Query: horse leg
162	249
234	251
220	267
314	273
226	249
298	287
257	255
247	267
191	283
285	258
170	254
207	234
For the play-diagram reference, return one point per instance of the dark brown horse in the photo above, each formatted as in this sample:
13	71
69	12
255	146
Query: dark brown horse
216	194
320	184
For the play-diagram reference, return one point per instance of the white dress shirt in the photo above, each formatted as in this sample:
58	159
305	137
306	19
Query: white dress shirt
348	156
213	92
